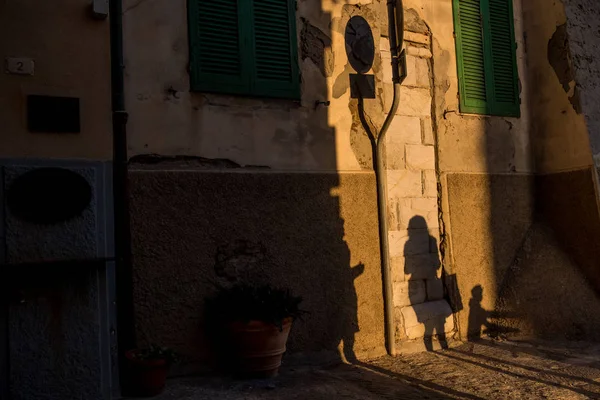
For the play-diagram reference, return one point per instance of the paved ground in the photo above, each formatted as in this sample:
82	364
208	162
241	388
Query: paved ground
486	370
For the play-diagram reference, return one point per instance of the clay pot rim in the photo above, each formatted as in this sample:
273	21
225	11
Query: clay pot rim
285	321
255	323
155	362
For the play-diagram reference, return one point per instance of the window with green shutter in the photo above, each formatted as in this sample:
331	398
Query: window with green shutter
245	47
486	54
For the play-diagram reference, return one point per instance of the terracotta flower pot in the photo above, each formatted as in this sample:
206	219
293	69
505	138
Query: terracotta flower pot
146	377
257	347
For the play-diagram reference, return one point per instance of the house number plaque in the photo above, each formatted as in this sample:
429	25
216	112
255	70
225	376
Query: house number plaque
19	66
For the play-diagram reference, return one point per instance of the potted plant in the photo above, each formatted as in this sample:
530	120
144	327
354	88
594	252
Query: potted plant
253	324
148	369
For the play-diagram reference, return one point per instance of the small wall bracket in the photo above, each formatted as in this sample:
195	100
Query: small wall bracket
100	9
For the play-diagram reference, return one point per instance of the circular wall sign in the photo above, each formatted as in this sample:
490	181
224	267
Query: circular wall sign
48	195
360	46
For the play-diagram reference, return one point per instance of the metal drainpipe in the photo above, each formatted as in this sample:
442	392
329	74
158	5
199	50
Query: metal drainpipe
124	275
396	35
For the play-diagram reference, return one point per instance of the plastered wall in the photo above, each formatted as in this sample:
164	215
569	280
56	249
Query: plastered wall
462	188
583	27
168	119
71	53
558	132
291	178
489	171
212	131
319	242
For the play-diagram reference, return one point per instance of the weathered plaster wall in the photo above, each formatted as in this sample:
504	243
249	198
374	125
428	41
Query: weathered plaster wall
215	132
313	233
168	119
469	143
489	218
486	235
478	170
543	277
58	332
568	202
486	168
472	153
527	255
583	27
72	58
566	190
531	287
558	132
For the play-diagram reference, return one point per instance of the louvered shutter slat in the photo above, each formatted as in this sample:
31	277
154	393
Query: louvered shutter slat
245	47
275	63
215	47
503	53
471	57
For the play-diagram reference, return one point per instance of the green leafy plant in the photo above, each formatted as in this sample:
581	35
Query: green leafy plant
261	303
154	352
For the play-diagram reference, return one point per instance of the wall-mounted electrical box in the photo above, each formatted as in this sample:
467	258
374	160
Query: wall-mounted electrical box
100	8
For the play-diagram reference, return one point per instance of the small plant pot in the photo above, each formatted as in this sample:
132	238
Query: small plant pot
146	377
257	347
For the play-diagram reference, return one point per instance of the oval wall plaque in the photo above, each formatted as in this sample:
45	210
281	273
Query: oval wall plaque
48	195
360	45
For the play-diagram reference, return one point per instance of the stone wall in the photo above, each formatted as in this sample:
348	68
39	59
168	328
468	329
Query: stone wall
419	298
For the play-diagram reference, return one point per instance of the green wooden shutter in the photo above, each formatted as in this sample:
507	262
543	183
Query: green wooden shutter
216	63
503	82
275	62
470	56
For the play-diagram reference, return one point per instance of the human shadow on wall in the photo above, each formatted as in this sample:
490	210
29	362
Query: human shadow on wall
480	320
424	274
250	263
349	318
297	229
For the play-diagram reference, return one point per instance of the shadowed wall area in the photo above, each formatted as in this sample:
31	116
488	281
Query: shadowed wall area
519	207
283	228
252	189
543	275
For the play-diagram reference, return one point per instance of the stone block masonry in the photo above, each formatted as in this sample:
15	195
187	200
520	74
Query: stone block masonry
434	317
413	214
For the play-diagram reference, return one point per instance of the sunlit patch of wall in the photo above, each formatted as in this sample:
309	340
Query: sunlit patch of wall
484	173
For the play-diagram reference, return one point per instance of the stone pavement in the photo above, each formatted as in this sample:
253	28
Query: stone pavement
483	370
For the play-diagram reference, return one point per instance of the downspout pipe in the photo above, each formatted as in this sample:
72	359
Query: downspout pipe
123	272
396	37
